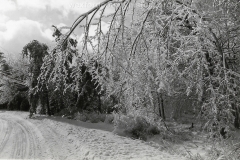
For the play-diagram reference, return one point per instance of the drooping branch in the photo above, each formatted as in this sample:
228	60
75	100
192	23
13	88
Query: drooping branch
21	86
84	16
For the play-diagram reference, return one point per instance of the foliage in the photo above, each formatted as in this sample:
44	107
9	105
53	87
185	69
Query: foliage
55	74
72	82
35	52
170	48
109	119
13	78
136	127
225	150
3	64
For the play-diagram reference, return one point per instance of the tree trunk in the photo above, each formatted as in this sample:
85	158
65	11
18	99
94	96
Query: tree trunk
47	103
162	107
99	104
159	105
33	103
80	102
237	117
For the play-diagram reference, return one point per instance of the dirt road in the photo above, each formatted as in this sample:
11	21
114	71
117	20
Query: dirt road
52	138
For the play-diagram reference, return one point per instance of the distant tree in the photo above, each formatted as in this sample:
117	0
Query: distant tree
4	67
7	89
13	82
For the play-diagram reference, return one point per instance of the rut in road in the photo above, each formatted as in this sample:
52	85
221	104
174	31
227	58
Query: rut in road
19	139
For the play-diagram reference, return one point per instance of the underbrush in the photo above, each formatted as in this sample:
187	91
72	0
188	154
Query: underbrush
136	127
197	145
226	148
220	150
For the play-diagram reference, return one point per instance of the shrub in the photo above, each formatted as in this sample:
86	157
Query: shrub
102	117
80	117
109	119
153	130
134	127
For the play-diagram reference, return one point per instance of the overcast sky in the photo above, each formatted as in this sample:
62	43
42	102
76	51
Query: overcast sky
24	20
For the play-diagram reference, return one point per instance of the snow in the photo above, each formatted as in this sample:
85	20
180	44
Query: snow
59	138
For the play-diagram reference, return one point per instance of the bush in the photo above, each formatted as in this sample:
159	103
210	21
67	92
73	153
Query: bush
102	117
134	127
109	119
153	130
80	117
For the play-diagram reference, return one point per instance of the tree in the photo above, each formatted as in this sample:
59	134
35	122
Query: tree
36	51
56	71
169	48
221	48
13	83
4	70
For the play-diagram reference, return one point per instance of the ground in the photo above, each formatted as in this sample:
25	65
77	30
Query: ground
58	138
44	137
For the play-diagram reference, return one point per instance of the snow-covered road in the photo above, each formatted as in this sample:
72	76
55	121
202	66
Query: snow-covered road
49	138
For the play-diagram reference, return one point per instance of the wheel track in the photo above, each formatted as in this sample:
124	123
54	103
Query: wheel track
24	142
17	140
56	140
8	130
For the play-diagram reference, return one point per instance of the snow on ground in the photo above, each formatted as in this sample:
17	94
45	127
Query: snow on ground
58	138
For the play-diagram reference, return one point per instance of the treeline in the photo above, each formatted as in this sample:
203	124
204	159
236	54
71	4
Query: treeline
25	93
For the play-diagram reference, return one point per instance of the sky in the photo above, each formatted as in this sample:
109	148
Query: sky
22	21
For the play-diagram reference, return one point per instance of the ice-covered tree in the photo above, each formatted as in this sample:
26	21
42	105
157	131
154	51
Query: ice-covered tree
35	52
161	47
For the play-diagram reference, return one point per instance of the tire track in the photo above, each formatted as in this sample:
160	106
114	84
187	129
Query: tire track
7	129
56	143
19	139
22	144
